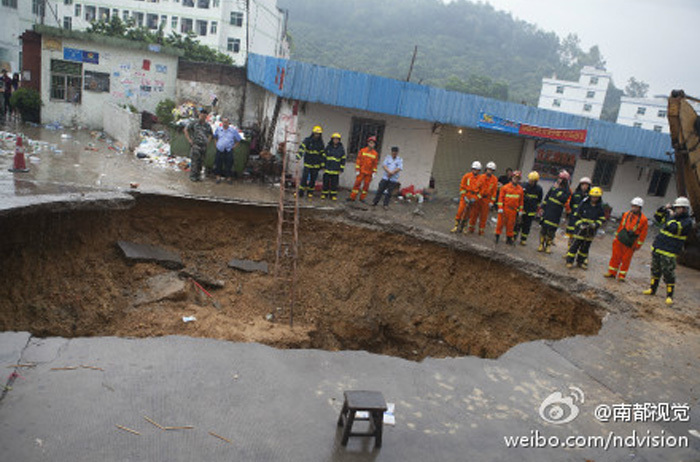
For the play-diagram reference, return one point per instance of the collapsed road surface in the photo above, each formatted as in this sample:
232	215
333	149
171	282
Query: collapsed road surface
359	288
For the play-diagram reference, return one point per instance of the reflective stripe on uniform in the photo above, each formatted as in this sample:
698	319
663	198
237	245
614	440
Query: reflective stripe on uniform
674	236
664	253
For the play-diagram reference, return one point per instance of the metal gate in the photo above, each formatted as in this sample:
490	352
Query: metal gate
456	152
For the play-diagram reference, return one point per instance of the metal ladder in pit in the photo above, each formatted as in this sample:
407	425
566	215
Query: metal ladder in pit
287	253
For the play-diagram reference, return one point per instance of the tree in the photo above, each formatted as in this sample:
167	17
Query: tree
194	51
636	88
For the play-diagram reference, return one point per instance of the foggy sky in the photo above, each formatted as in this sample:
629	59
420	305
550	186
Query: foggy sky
652	40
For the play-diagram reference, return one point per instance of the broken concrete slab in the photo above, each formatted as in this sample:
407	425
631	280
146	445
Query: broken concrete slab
166	286
150	253
248	265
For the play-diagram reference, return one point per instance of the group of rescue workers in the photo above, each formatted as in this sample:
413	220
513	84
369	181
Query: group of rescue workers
518	207
331	158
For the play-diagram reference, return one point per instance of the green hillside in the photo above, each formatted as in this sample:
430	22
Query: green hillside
462	46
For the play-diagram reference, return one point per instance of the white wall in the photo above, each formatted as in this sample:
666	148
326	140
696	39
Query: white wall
415	139
575	94
127	77
13	23
122	125
631	179
654	116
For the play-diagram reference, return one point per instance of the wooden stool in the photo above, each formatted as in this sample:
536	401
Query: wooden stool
362	400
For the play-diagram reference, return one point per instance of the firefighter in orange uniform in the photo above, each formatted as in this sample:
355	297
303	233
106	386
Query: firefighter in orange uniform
629	238
488	185
468	195
366	167
510	205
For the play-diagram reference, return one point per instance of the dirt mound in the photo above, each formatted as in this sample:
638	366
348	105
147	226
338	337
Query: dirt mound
358	288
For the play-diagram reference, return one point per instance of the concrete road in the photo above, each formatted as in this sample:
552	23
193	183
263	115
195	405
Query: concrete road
282	405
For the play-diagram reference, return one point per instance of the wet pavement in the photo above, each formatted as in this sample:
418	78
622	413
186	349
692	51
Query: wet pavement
282	405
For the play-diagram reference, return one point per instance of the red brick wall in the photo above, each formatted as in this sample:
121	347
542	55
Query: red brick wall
31	59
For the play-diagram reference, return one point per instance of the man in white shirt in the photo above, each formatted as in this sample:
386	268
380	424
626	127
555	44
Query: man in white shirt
392	166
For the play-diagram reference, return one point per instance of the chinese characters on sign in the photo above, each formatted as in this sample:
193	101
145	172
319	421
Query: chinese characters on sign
493	122
550	159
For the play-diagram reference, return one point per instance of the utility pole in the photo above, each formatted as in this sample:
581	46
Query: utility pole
413	60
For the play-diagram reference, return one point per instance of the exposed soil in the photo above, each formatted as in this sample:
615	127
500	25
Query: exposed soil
63	275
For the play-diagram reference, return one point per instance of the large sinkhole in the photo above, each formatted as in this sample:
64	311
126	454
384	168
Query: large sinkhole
358	288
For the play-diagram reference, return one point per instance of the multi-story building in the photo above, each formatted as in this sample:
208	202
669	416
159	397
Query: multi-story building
647	113
584	98
234	27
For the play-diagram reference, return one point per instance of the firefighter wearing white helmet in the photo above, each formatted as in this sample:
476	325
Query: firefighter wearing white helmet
468	191
629	237
677	224
581	192
488	192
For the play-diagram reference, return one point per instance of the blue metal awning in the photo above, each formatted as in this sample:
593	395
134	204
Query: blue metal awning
336	87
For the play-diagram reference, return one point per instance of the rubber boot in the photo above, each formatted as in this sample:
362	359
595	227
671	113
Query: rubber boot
498	236
456	228
669	294
652	288
523	241
509	240
548	245
461	226
541	247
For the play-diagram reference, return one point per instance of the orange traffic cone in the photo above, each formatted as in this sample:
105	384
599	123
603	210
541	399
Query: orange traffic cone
19	165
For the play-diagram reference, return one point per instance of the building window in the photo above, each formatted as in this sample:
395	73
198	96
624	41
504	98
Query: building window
78	10
188	3
556	103
637	125
173	22
590	94
90	13
233	45
152	21
236	18
560	89
594	81
103	14
66	80
67	22
360	131
125	15
163	21
202	3
661	113
215	3
604	172
214	27
97	82
201	28
186	25
659	183
587	107
138	19
658	128
67	2
10	3
38	7
641	110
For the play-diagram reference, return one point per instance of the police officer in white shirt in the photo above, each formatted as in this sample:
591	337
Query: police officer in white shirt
392	166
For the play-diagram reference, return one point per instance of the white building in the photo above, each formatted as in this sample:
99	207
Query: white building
584	98
230	26
16	16
646	113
